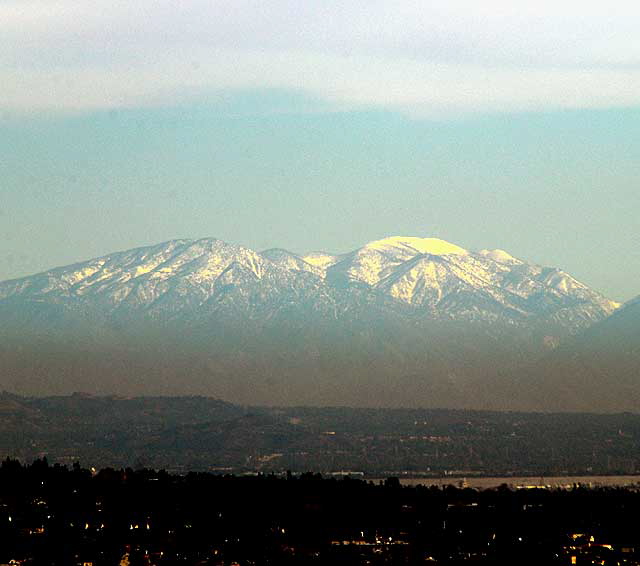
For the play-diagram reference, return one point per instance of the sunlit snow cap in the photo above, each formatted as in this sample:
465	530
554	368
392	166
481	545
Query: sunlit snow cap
433	246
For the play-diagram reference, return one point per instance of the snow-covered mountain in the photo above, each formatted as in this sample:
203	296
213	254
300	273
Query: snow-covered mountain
421	277
399	321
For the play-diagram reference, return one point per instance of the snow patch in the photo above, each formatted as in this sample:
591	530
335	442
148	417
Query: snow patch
433	246
499	255
320	259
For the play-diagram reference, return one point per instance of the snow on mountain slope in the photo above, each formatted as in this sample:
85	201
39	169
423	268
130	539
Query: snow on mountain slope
499	255
431	278
137	278
397	244
321	260
376	260
433	282
291	261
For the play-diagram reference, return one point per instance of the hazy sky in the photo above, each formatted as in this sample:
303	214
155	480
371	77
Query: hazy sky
322	126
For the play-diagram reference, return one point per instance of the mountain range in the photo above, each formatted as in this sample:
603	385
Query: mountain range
399	321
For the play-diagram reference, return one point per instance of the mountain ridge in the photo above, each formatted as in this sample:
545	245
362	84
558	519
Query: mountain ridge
390	322
194	266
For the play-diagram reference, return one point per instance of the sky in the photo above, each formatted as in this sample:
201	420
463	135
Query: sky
309	126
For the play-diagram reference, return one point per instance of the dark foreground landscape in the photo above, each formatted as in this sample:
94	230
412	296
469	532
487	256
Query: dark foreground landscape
101	481
207	435
52	515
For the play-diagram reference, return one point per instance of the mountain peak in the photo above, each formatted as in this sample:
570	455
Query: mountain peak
433	246
499	255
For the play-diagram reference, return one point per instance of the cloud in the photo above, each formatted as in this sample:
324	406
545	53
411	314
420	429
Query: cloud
420	58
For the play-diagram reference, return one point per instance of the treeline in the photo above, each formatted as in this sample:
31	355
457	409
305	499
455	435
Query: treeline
52	514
